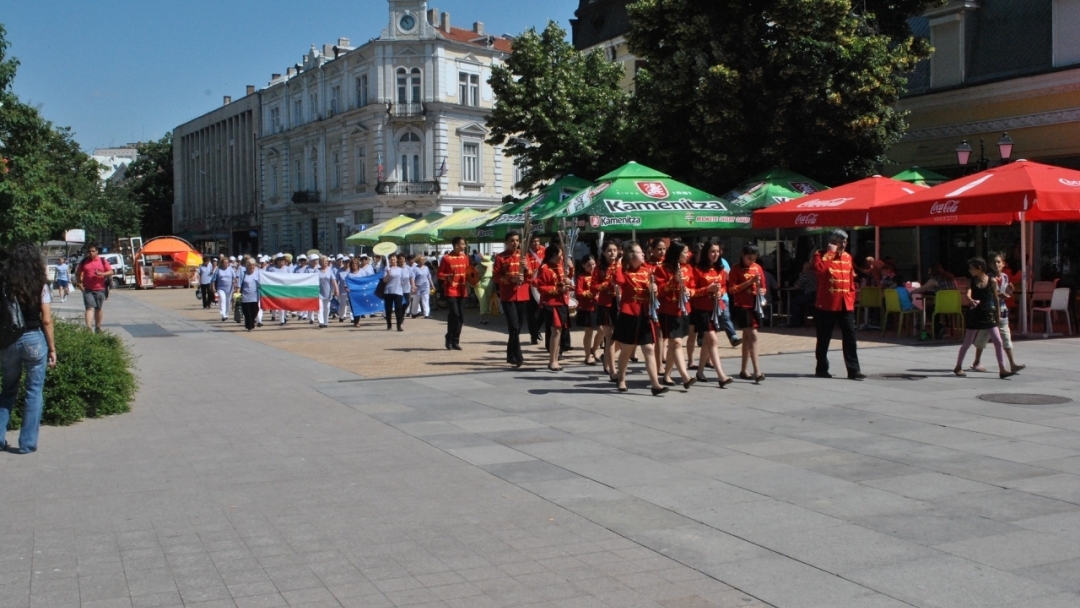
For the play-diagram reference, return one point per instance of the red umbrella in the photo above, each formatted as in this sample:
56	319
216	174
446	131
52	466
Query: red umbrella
847	205
1044	193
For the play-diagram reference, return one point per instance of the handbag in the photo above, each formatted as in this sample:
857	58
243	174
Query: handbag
380	289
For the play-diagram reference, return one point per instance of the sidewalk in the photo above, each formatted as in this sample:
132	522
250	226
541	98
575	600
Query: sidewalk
249	476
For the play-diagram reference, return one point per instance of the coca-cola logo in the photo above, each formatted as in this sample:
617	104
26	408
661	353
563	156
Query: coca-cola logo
1072	183
806	219
823	204
653	189
947	207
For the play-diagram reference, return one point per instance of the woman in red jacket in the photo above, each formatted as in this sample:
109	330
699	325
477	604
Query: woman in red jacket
607	305
634	326
554	287
675	287
745	284
710	279
585	290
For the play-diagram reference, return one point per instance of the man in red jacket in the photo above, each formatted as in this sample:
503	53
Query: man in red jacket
513	275
836	304
452	270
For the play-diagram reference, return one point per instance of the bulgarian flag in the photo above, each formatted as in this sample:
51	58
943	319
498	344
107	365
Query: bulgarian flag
289	291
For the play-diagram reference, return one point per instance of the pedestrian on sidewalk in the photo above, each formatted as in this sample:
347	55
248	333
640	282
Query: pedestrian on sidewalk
28	350
554	287
328	290
63	279
248	288
421	301
836	304
453	268
585	291
1005	290
513	275
634	326
746	283
984	315
707	307
206	281
224	282
92	276
396	279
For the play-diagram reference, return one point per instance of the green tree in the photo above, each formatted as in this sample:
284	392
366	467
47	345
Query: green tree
559	111
148	183
733	87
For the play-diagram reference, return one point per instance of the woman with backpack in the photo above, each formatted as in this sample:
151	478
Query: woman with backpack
26	340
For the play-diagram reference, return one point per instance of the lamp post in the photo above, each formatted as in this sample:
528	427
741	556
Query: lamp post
964	151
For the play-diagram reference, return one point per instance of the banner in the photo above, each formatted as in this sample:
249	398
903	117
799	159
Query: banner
289	291
362	294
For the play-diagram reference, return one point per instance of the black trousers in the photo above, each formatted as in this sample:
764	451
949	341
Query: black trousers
394	304
455	319
515	313
251	313
825	321
535	318
207	295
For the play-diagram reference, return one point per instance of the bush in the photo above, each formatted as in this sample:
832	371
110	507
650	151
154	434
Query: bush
94	376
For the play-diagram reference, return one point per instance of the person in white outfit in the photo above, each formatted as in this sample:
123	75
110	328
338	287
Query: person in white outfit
421	300
328	289
224	280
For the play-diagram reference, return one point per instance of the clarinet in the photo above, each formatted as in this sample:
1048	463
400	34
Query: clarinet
654	302
717	314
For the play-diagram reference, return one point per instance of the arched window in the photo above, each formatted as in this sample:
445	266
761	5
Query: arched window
409	146
410	137
417	89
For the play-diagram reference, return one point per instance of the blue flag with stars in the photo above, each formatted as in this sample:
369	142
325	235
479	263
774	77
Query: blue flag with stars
362	294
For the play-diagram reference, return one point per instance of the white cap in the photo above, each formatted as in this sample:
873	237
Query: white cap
279	256
301	257
232	258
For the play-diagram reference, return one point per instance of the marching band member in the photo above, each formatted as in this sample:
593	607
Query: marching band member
675	287
836	304
534	257
512	274
707	307
746	283
585	290
554	287
606	302
634	326
452	270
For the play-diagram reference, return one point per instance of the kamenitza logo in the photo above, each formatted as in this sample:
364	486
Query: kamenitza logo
602	222
619	206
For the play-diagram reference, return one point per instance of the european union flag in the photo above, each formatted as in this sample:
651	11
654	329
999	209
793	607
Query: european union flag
362	294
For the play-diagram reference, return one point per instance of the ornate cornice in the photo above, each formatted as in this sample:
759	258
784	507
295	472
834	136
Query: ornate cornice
1010	123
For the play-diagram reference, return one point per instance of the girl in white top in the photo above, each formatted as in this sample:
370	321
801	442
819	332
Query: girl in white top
328	289
421	300
398	282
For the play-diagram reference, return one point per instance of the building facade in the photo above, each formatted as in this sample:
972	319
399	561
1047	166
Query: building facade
602	25
351	137
215	183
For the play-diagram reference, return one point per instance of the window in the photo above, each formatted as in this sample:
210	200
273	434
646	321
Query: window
414	81
405	168
1066	32
298	112
314	181
299	179
361	91
363	216
361	165
469	88
402	86
275	119
336	176
410	137
273	180
417	175
313	101
470	162
947	62
335	100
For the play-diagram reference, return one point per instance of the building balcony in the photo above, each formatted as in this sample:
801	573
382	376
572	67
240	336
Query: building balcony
304	197
406	111
407	188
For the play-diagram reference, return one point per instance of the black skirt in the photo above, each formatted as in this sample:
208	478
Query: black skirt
745	318
634	330
587	319
674	326
557	317
607	315
702	321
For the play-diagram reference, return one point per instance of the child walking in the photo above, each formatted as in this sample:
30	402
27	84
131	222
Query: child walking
984	314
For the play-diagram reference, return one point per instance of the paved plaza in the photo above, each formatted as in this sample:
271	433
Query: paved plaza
251	476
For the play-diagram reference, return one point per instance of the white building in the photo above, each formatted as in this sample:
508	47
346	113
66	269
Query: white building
115	161
353	136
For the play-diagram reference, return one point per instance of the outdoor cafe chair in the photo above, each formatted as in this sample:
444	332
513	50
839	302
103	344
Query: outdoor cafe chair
869	299
894	304
947	303
1042	292
1059	302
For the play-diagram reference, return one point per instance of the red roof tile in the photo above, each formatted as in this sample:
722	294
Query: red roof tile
458	34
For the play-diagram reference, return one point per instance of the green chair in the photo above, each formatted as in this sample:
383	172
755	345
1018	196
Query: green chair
894	306
869	299
947	302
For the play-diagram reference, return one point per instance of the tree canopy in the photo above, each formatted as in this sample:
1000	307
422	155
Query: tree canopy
733	87
148	183
559	111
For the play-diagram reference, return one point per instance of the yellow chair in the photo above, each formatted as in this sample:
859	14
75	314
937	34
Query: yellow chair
893	306
869	298
947	302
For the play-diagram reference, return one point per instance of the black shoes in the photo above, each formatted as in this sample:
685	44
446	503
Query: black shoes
822	375
686	385
857	376
455	346
724	383
659	391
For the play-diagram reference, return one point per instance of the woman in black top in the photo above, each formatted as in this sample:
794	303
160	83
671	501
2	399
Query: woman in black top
983	315
23	281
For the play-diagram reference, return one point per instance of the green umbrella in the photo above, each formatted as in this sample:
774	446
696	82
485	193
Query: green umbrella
635	197
372	235
398	236
549	197
429	235
770	188
921	177
469	228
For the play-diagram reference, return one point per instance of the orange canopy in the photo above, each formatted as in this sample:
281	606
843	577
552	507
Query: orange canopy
178	248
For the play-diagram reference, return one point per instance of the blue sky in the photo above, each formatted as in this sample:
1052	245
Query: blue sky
119	72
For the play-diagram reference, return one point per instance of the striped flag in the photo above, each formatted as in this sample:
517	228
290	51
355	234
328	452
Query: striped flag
292	292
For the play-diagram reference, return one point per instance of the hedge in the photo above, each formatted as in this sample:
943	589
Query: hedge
94	376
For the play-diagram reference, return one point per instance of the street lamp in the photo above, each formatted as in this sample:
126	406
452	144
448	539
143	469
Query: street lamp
1005	148
963	153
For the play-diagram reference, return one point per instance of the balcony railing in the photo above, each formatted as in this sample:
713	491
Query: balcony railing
303	197
408	188
406	110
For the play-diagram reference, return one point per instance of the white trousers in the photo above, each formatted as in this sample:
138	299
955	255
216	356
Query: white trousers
224	299
324	311
420	302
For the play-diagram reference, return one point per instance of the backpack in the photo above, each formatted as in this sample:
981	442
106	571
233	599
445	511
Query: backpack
12	322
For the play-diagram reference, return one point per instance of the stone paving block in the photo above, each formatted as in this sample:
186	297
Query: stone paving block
928	485
934	526
1015	550
1062	576
1007	505
1058	600
781	581
1063	486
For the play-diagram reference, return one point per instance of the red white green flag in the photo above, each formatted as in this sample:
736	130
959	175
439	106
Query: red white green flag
289	291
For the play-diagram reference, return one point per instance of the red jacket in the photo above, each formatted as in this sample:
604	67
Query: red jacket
585	291
507	266
451	274
668	292
634	288
836	281
605	285
740	275
703	300
549	282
